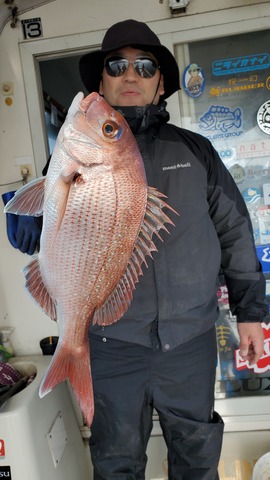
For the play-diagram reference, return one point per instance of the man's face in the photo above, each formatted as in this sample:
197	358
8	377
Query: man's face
130	89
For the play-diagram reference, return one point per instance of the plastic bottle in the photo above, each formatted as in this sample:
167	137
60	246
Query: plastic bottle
2	353
6	344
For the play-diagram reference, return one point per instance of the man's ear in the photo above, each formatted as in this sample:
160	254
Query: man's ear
100	90
161	90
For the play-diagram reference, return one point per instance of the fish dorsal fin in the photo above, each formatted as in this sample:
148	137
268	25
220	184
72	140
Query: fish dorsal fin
29	199
35	286
119	300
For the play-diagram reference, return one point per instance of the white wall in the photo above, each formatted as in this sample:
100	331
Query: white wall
60	19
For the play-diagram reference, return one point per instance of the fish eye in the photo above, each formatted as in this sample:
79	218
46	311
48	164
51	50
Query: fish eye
110	129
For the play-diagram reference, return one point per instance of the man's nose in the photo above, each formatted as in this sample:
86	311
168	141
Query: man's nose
130	73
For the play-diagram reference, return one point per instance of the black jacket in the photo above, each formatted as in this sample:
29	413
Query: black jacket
213	231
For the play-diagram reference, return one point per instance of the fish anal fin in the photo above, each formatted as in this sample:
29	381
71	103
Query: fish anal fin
119	300
75	367
35	286
29	199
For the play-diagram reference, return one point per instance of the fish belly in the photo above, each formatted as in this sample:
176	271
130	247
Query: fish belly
81	264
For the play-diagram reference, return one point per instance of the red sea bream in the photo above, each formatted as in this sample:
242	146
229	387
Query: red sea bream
99	217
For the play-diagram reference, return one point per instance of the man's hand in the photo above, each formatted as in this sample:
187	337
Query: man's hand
22	230
28	234
251	341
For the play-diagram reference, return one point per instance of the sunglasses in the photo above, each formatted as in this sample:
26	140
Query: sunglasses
117	66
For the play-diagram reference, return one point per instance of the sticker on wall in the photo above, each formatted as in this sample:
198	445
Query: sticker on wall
226	153
263	253
221	118
259	148
236	86
5	472
263	364
266	193
238	173
248	63
263	117
2	448
32	28
193	80
252	195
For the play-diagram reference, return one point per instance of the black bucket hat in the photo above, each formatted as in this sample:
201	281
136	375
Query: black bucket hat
130	33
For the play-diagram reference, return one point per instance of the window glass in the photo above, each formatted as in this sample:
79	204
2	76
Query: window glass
225	96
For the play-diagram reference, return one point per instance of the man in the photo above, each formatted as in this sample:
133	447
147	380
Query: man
162	353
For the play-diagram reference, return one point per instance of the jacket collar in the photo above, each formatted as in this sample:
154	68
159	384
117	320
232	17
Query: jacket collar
142	118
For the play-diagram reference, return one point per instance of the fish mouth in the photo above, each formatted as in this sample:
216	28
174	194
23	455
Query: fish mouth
88	101
86	142
71	134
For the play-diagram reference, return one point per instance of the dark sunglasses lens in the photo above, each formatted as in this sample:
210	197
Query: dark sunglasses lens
115	66
145	67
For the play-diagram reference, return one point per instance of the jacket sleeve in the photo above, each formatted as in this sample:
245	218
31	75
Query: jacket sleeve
242	270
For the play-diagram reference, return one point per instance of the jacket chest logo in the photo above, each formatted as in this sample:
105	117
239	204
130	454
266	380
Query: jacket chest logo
176	166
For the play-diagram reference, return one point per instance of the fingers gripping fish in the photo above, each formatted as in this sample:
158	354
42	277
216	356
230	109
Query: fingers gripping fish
99	218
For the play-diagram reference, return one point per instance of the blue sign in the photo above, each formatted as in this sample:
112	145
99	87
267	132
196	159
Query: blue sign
248	63
252	195
263	253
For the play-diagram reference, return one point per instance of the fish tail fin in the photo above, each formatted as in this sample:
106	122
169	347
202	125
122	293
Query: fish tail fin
75	367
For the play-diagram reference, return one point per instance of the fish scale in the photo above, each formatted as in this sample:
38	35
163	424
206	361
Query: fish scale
99	218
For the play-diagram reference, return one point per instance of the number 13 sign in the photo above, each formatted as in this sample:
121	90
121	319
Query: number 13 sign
32	28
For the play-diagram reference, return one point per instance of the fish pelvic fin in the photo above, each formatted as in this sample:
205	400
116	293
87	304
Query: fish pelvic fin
75	367
29	199
154	221
35	286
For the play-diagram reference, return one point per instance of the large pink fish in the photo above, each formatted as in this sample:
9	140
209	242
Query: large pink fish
99	217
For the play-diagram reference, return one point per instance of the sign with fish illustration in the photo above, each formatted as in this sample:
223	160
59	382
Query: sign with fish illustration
221	118
252	195
247	63
99	217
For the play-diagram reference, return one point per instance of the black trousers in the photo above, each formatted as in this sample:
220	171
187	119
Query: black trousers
129	381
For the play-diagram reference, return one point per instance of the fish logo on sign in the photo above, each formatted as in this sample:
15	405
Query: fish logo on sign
221	118
252	195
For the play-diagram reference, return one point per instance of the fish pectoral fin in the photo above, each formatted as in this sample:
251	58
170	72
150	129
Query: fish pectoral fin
60	192
35	286
119	300
29	199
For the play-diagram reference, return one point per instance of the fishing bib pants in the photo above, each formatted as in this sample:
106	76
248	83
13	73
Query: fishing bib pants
130	380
